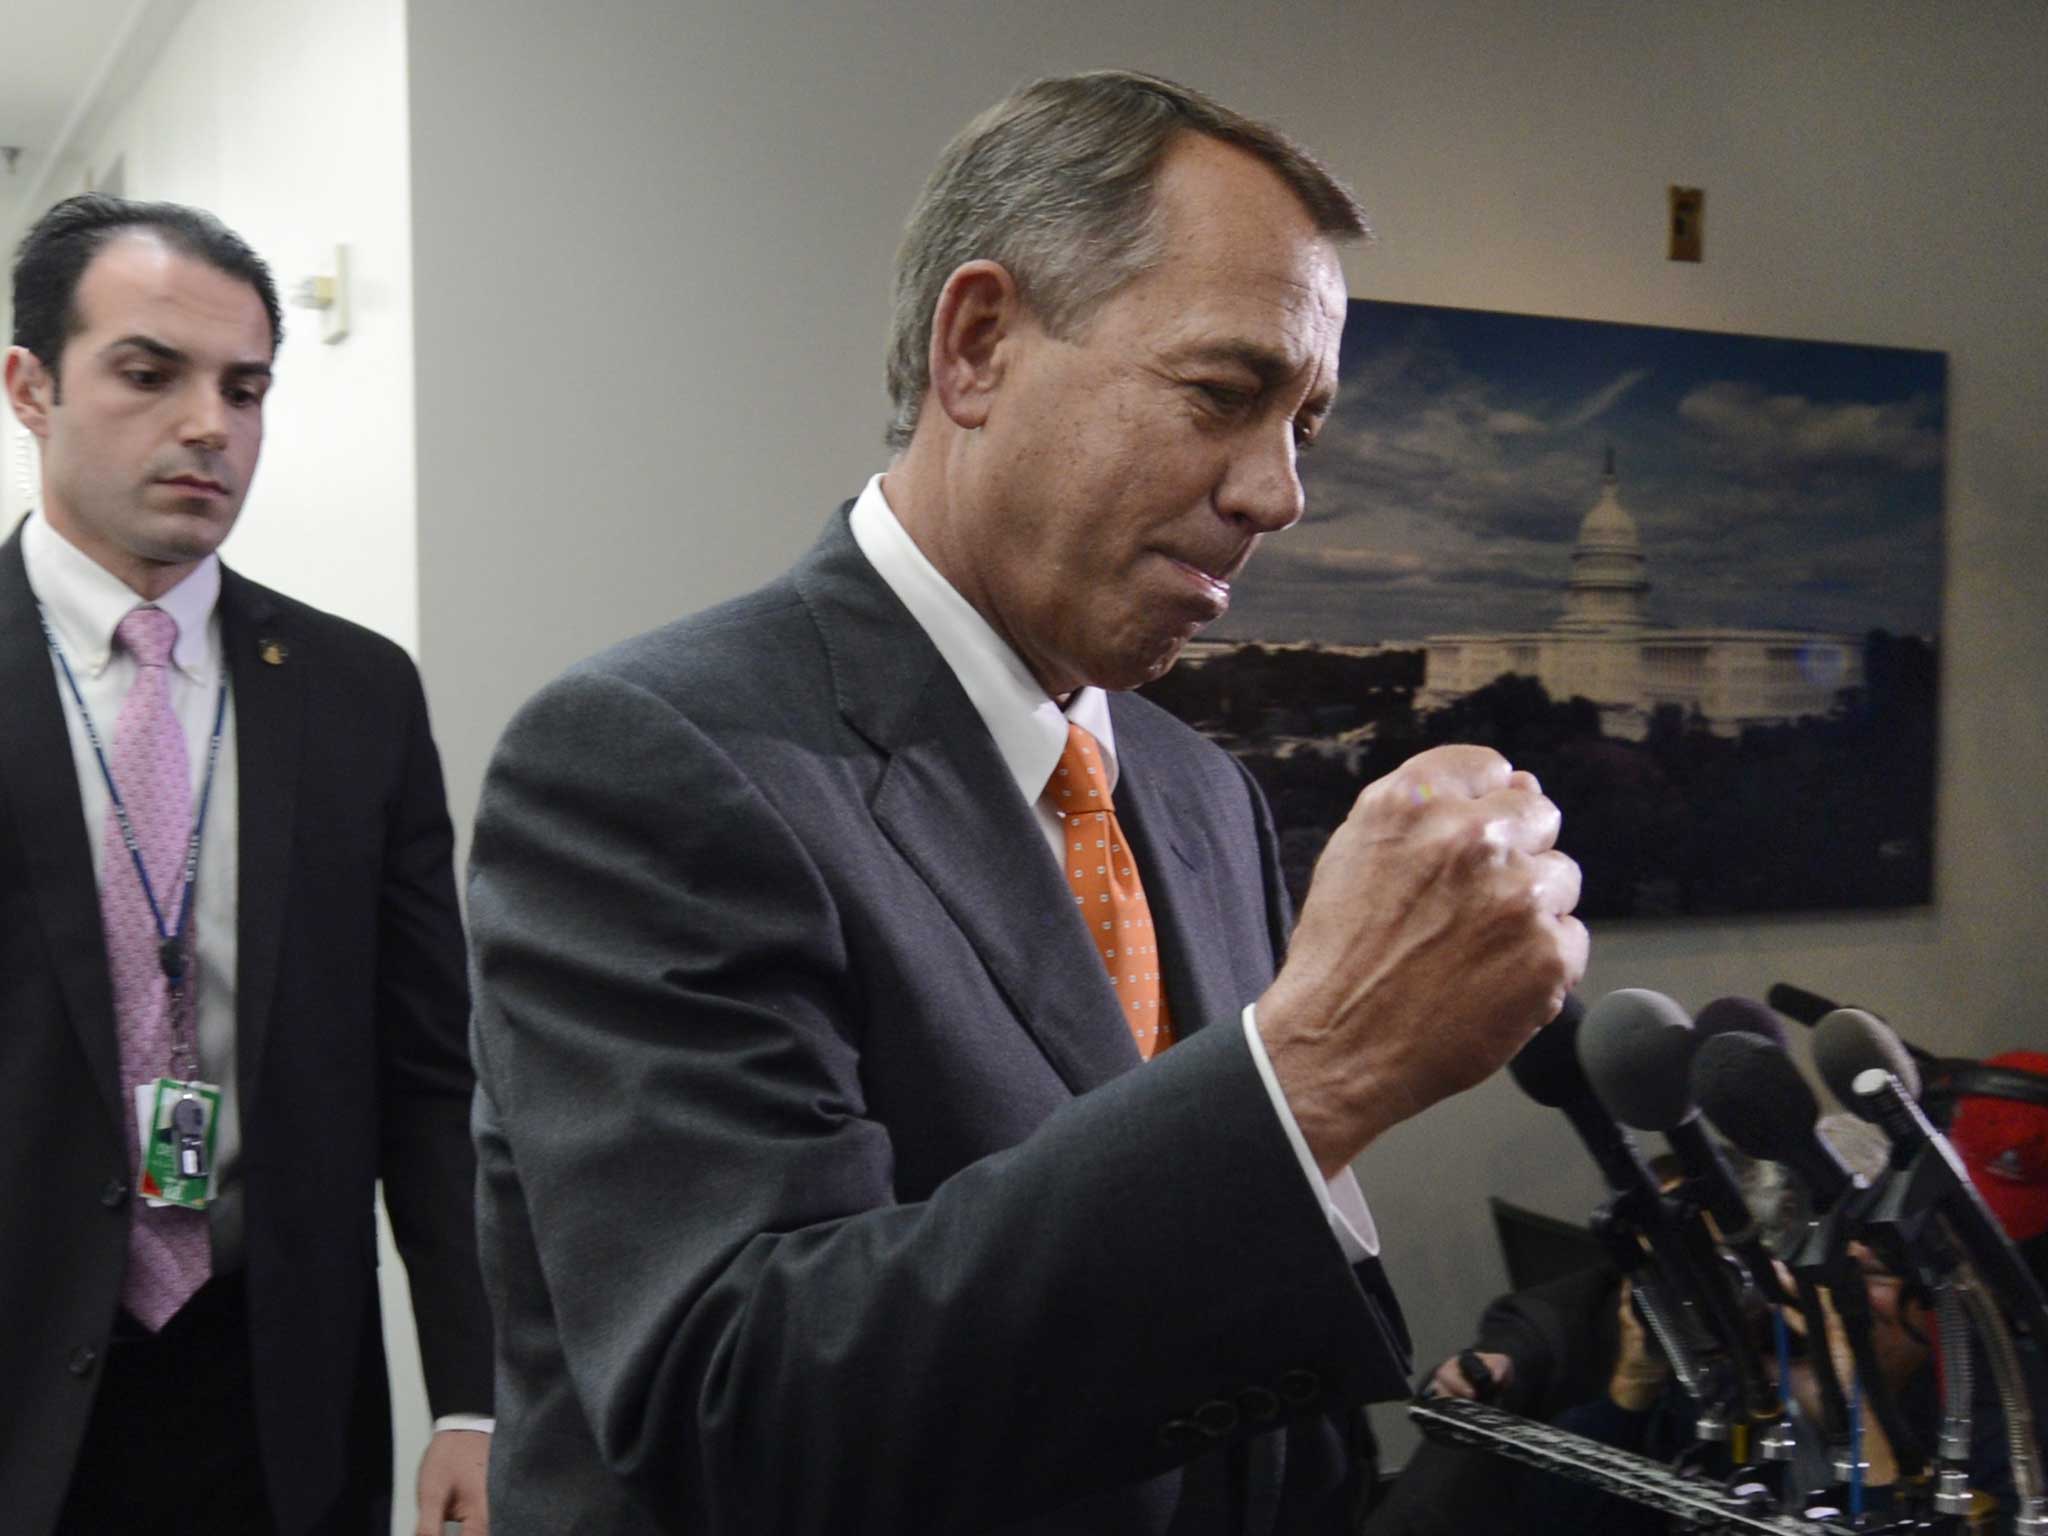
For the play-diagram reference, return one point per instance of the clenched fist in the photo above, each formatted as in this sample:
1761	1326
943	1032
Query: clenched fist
1437	937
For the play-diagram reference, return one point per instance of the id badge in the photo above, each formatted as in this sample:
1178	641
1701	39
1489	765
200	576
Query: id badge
176	1123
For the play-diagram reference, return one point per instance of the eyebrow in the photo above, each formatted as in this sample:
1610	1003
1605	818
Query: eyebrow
169	354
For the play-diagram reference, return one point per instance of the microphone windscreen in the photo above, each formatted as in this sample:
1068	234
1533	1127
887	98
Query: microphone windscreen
1636	1047
1547	1066
1798	1003
1755	1096
1742	1016
1850	1041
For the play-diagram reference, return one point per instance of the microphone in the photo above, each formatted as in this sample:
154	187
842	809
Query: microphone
1547	1069
1741	1016
1809	1008
1866	1065
1636	1047
1757	1099
1751	1090
1848	1042
1882	1097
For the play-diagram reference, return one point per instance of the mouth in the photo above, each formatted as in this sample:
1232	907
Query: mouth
1210	582
197	485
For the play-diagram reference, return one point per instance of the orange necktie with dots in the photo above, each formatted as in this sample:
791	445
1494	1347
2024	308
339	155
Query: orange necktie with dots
1104	877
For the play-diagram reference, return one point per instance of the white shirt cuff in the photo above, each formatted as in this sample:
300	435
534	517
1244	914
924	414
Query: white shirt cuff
481	1423
1342	1200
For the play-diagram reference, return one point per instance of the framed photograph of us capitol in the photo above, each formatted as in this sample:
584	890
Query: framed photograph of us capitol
1691	580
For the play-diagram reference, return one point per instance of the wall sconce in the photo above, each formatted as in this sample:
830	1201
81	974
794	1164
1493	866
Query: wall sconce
329	295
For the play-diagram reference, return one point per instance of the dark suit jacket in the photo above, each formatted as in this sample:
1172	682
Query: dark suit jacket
819	1191
350	1005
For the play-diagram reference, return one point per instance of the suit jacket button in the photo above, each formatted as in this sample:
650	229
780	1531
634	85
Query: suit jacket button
1179	1435
112	1193
1259	1405
1299	1386
1216	1418
83	1359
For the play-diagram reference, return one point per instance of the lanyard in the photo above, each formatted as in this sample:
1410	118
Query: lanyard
171	947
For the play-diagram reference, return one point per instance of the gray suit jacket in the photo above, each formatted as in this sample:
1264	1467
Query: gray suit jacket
818	1191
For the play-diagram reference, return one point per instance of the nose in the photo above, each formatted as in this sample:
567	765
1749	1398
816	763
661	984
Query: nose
1261	483
205	423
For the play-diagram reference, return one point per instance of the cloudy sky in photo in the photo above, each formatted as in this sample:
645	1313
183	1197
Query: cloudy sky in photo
1778	484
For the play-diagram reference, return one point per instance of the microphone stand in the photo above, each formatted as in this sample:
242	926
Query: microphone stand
1997	1291
1822	1260
1659	1292
1901	1226
1952	1481
2007	1371
1760	1441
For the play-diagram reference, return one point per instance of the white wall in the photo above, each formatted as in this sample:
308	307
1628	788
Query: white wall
290	122
653	245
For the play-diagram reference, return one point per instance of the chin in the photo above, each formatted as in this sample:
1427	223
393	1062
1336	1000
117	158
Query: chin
1125	672
191	532
1160	666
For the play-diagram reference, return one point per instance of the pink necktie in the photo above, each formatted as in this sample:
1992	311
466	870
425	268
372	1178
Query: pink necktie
169	1255
1103	876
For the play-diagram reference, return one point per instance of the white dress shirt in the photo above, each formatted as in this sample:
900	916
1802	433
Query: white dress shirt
1030	731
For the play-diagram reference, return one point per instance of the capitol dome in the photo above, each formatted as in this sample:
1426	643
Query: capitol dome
1608	526
1609	589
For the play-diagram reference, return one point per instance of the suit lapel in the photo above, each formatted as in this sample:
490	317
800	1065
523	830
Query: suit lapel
950	807
1170	842
40	781
269	697
963	828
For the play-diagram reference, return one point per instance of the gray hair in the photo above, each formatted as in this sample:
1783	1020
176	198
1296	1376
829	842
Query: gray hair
1055	183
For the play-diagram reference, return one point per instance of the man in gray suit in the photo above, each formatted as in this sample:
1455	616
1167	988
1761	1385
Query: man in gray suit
834	1176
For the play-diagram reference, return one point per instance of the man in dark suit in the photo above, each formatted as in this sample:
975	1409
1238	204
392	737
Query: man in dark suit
873	1140
225	872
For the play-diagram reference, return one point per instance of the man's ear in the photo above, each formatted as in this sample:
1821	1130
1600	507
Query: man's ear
31	391
979	309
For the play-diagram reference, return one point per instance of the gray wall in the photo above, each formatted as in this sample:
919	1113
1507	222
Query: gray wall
652	246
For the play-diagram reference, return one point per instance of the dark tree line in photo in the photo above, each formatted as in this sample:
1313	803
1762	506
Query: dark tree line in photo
1830	812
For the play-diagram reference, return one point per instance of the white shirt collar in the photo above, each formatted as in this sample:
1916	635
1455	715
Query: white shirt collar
85	602
1029	728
